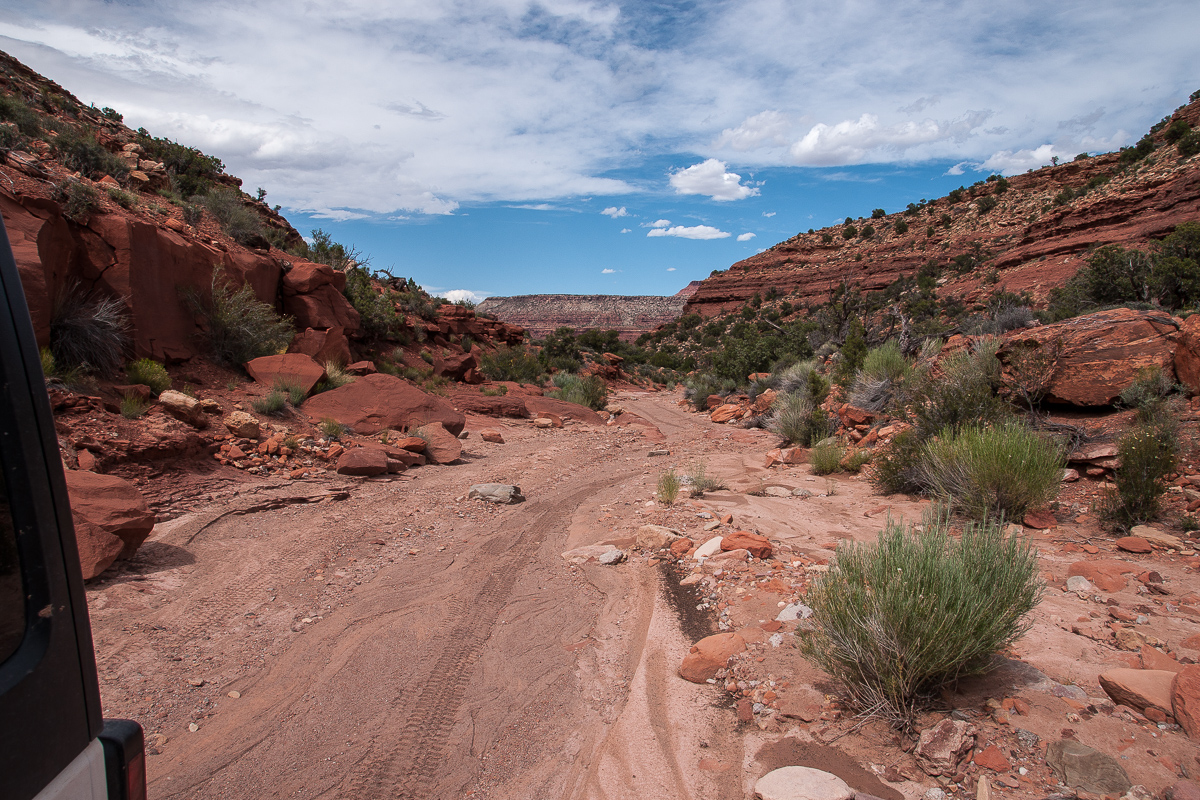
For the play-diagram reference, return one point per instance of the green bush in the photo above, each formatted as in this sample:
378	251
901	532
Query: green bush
149	372
901	227
858	460
294	392
14	110
273	404
591	391
240	222
88	333
701	387
898	620
78	200
1148	452
80	152
331	429
799	419
494	391
121	197
699	481
668	487
240	328
511	364
964	394
1189	145
895	467
376	310
825	457
1002	470
1150	385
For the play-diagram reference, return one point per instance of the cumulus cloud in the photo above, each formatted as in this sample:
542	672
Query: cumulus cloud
693	232
864	139
626	230
745	237
710	178
607	271
768	128
459	295
1008	162
614	212
658	223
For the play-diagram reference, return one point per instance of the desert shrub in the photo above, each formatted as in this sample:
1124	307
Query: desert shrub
191	171
376	310
14	110
240	328
1189	144
799	419
1150	384
963	394
330	428
78	200
192	213
241	223
426	356
294	392
899	619
849	232
591	391
80	152
895	467
1148	452
701	387
668	486
858	460
273	404
901	227
511	364
121	197
1001	470
881	378
149	372
699	481
826	238
134	407
335	377
494	391
987	203
88	332
825	457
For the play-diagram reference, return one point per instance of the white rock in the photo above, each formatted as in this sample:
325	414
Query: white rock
801	783
793	612
707	549
1078	583
653	537
597	551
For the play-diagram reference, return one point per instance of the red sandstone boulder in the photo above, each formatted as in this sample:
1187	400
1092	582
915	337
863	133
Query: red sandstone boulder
1134	544
725	413
1187	354
363	461
377	402
1185	698
759	546
292	368
324	346
111	519
1139	688
305	277
457	367
709	655
491	435
441	446
540	406
1089	360
1040	520
323	308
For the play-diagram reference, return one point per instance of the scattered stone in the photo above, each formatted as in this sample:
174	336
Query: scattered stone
726	556
1157	537
183	408
1070	475
934	793
589	552
611	557
111	519
709	548
1139	688
235	694
242	425
362	462
801	783
709	655
1106	574
1153	658
1040	520
942	747
655	537
543	422
803	494
1134	544
1129	639
1185	696
502	493
296	369
491	435
1082	767
992	758
759	546
464	435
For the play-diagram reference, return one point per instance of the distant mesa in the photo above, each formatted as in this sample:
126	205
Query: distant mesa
629	315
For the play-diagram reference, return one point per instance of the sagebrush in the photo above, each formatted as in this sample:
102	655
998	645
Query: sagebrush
240	327
149	372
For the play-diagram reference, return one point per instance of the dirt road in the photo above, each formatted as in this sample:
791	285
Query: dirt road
406	642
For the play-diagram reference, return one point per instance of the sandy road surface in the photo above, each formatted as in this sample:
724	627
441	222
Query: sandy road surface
404	642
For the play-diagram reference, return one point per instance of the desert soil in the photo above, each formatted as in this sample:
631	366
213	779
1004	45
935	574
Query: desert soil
334	637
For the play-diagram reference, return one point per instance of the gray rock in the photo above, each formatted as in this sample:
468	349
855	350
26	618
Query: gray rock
654	537
1082	767
659	453
934	793
496	493
793	612
801	783
611	557
603	553
1078	583
778	491
804	494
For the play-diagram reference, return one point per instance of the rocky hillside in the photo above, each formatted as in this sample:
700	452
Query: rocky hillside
630	315
1025	233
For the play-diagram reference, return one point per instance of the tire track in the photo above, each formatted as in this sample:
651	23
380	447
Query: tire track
408	767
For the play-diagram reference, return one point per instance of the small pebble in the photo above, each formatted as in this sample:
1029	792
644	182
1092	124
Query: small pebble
235	694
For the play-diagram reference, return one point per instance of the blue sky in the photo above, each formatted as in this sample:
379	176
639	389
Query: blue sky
514	147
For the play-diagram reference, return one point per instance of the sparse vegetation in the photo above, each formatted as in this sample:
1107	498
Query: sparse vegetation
494	391
591	391
668	487
331	429
294	392
699	481
825	457
273	404
1148	453
148	372
88	332
238	220
134	407
901	618
240	327
511	364
78	200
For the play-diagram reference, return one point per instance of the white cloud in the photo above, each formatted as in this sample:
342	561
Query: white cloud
865	139
768	214
745	237
658	223
768	128
1008	162
626	230
670	269
957	169
694	232
709	177
614	212
456	295
607	271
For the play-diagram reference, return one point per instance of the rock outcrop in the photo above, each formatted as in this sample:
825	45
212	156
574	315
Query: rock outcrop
630	316
378	402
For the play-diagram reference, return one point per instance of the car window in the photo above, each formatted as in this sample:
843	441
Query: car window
12	595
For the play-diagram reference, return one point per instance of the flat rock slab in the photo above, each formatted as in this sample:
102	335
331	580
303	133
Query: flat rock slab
602	553
362	462
503	493
289	368
1139	688
378	402
1106	574
801	783
759	546
654	537
1186	699
1082	767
